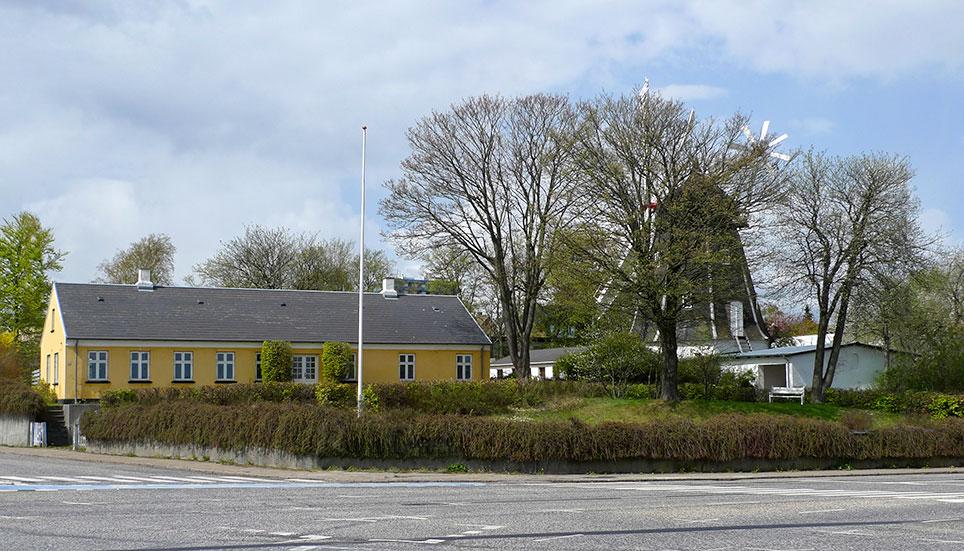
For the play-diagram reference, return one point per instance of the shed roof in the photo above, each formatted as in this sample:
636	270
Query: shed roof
122	312
540	356
784	351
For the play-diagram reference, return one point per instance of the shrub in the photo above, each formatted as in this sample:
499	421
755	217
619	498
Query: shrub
336	362
615	361
370	399
276	361
641	392
942	407
328	393
18	398
856	420
304	429
216	394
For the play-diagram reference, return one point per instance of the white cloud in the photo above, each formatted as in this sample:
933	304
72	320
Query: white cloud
691	92
813	126
195	118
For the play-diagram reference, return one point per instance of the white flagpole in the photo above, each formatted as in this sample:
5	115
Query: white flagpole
361	268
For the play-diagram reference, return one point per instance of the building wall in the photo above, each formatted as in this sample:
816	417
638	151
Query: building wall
380	365
857	367
53	344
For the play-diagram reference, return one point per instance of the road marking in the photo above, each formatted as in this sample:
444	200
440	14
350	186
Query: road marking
21	479
62	479
285	534
703	520
560	537
943	541
248	530
821	511
940	520
373	519
428	541
951	500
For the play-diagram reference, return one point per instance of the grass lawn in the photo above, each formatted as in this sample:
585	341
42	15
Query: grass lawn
600	410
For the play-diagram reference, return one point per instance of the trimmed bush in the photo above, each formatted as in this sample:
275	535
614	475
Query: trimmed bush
328	393
934	404
336	362
216	394
478	397
18	398
327	432
276	361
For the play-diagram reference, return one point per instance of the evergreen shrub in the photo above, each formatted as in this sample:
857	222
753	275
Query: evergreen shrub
276	361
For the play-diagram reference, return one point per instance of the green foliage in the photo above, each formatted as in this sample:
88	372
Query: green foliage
614	360
46	392
27	255
307	429
214	394
934	404
336	361
476	397
942	407
333	394
370	399
276	361
18	398
641	392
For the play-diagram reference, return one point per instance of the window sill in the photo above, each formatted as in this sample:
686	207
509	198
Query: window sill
225	382
97	382
139	381
185	381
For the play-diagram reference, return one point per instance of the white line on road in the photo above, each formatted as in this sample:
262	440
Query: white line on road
821	511
21	479
941	520
560	537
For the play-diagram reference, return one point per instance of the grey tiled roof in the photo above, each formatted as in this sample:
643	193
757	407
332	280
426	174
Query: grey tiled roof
98	311
541	355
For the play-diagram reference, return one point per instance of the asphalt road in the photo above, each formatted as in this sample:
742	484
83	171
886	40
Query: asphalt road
59	503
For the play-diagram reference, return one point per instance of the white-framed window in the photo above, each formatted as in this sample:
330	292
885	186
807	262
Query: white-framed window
257	367
353	370
225	366
97	365
140	366
406	367
304	368
183	366
56	367
463	367
47	378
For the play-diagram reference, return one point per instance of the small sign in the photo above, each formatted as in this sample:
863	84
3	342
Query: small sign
38	434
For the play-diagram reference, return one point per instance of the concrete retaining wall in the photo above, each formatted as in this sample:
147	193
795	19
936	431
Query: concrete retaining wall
73	413
284	460
15	430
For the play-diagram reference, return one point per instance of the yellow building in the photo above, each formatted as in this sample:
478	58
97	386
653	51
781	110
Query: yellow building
101	337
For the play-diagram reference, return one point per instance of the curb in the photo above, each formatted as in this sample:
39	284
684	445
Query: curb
369	476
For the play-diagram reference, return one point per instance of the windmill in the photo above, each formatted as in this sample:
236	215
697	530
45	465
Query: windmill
755	143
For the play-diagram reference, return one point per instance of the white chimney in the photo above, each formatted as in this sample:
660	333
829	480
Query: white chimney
144	282
388	288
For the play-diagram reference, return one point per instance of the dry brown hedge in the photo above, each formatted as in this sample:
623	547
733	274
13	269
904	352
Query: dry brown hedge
19	398
325	432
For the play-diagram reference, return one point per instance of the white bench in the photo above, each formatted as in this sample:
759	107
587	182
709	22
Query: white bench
787	392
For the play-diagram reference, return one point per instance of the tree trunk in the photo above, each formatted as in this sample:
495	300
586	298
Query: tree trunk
816	390
667	340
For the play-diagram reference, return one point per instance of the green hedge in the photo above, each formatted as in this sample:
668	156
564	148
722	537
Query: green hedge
18	398
337	433
477	398
935	404
217	394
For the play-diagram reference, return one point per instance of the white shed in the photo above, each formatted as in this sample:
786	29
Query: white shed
792	366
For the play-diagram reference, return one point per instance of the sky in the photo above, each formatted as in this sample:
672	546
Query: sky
193	118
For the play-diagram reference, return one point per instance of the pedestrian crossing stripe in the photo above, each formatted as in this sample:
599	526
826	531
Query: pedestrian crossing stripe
794	492
158	482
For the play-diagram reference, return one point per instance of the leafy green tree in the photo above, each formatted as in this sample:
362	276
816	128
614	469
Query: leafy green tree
275	361
154	252
27	256
336	361
616	360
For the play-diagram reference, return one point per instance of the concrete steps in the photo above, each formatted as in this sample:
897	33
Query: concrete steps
57	434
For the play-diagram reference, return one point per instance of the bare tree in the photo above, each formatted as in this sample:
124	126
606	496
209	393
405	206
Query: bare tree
276	258
491	177
154	252
844	220
667	195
